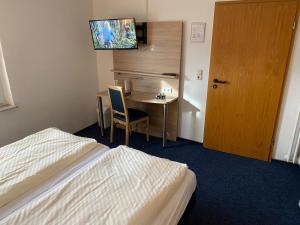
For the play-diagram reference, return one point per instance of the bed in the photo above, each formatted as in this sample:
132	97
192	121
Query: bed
51	199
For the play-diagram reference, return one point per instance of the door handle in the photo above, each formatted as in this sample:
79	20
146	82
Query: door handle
217	81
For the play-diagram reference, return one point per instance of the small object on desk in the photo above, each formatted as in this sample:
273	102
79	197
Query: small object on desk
127	87
161	96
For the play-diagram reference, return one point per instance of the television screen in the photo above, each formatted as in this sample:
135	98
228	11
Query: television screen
114	34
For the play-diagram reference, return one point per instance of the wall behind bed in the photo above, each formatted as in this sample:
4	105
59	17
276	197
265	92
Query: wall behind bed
197	56
51	66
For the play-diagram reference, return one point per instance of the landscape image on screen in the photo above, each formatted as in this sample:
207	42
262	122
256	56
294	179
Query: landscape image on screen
114	34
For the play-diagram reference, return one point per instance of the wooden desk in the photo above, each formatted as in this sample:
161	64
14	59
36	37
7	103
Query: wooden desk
143	97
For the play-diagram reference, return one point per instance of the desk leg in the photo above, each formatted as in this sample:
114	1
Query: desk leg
165	125
100	110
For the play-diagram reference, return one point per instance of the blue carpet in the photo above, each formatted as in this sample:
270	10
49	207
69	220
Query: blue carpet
231	190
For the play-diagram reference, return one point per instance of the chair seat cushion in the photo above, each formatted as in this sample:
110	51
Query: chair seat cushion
134	114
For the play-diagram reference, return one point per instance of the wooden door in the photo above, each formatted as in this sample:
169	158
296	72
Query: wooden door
250	52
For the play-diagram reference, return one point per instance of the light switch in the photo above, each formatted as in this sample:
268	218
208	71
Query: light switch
199	75
167	90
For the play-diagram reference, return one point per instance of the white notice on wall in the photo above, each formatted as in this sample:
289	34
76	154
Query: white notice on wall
198	32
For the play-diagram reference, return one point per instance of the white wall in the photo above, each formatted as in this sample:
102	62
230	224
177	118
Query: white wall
2	100
195	56
290	105
51	66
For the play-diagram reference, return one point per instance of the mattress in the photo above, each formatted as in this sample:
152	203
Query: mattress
169	214
30	161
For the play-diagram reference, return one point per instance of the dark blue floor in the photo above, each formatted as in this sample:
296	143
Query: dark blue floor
231	190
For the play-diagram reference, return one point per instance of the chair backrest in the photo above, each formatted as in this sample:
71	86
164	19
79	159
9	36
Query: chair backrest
117	100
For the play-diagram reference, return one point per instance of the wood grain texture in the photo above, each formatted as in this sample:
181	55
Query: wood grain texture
102	94
250	50
146	74
161	55
145	67
152	85
143	98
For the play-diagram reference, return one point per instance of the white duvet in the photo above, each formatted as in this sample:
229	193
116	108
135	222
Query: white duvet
124	187
27	163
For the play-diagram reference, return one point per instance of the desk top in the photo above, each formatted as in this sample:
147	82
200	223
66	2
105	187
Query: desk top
138	96
144	97
102	94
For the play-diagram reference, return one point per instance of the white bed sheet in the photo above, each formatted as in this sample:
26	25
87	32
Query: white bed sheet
77	165
174	209
31	161
169	215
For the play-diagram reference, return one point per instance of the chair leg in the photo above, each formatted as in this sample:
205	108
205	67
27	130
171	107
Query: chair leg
147	130
112	131
127	135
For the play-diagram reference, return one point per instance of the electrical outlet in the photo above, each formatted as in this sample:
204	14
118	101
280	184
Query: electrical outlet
199	75
167	90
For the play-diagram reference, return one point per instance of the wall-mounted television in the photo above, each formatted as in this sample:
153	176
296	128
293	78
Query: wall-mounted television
113	34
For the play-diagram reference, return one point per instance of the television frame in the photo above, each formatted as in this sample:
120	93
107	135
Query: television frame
137	42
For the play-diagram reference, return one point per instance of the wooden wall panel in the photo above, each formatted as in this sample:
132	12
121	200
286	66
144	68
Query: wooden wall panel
150	84
162	54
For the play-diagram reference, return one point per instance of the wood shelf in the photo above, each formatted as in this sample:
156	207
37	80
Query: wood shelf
162	75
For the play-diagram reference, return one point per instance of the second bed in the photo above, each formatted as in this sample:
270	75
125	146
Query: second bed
49	202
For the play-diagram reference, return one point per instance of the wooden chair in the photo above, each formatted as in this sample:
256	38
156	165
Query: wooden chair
127	117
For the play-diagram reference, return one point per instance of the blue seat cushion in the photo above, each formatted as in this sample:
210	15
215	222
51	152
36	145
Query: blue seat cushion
134	114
